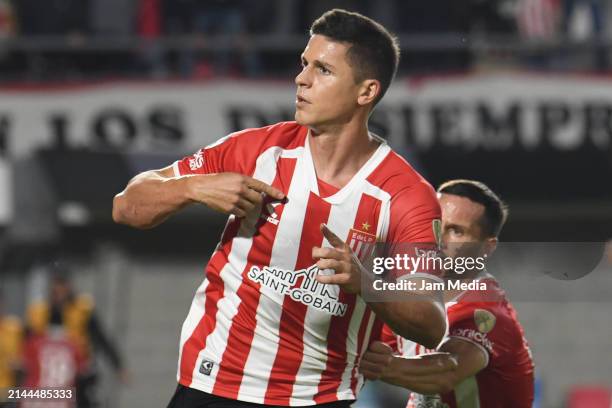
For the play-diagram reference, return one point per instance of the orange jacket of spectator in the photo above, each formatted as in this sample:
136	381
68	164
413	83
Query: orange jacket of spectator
75	316
11	341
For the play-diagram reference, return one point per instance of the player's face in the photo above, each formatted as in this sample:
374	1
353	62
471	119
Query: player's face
462	234
326	90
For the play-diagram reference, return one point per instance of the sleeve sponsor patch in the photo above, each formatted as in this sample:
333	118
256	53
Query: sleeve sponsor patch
197	161
485	320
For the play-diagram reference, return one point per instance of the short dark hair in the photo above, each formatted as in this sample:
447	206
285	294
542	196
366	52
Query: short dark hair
496	211
374	52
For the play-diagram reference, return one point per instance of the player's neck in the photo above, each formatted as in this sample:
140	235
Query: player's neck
338	152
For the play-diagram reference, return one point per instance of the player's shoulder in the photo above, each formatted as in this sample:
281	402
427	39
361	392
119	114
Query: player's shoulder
487	306
397	177
282	134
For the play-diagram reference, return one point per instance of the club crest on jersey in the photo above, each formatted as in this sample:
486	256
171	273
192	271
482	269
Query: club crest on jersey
361	243
485	320
197	161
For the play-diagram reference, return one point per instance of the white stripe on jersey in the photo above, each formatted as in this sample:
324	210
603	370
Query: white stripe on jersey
284	255
352	341
196	312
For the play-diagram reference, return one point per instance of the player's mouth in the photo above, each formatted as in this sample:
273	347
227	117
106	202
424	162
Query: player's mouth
300	101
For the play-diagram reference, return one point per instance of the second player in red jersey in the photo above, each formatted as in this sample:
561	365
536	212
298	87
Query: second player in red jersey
484	360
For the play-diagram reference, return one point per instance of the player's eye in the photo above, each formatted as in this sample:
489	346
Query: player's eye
324	71
455	231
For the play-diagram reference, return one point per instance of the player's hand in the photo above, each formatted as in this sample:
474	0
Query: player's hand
340	258
376	360
230	193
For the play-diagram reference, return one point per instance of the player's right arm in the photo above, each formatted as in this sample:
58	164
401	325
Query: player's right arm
152	196
427	374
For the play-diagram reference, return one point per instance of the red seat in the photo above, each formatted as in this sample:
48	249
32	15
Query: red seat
590	397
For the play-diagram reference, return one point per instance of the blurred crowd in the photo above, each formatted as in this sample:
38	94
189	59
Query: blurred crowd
55	345
219	37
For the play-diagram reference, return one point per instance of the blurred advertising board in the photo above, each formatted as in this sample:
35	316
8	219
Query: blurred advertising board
541	136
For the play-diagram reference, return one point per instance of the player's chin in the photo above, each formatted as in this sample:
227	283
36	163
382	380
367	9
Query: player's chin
302	118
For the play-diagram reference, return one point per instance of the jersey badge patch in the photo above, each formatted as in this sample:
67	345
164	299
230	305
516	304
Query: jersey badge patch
485	320
361	243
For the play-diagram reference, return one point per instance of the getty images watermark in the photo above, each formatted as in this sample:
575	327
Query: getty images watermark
407	270
530	271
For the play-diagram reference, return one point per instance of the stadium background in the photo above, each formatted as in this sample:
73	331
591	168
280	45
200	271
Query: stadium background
516	93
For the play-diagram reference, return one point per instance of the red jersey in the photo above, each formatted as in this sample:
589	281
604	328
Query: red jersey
51	361
491	325
261	328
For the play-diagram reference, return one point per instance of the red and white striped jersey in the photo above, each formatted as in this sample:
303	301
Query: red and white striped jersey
261	329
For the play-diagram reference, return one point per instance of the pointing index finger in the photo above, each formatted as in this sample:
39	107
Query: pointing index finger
332	238
262	187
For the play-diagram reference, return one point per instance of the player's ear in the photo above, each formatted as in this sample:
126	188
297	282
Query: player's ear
368	91
490	245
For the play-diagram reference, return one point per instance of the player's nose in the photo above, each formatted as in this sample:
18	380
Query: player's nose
302	79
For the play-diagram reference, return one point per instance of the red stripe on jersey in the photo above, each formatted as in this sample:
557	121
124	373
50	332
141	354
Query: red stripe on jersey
376	333
291	330
240	337
367	214
214	291
366	220
365	321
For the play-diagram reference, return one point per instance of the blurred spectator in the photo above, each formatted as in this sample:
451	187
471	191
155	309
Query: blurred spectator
52	359
584	20
227	18
149	27
11	338
75	314
7	19
538	19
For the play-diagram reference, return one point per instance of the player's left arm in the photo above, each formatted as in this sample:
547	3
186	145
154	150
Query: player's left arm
420	315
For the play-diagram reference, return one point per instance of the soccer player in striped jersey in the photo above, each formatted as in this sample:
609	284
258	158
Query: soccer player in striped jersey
269	325
487	360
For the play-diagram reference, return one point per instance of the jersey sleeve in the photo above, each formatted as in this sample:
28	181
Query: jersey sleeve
413	211
238	152
219	157
414	215
481	325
